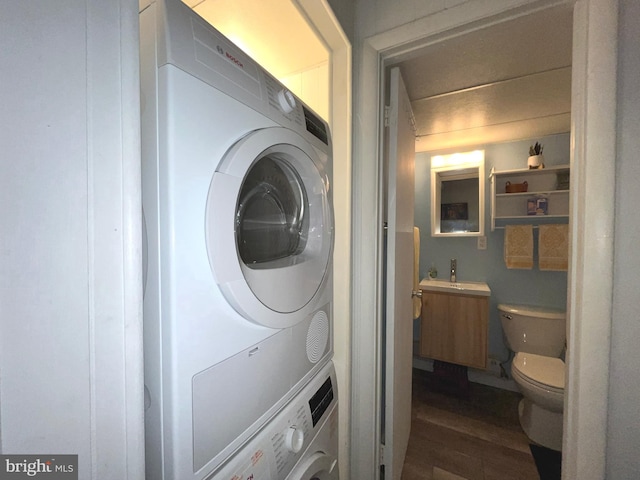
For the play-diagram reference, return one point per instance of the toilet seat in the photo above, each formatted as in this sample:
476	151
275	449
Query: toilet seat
544	372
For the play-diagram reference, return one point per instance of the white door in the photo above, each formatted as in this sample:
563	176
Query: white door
398	335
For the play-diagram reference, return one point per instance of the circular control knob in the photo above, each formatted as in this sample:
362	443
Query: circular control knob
286	100
294	439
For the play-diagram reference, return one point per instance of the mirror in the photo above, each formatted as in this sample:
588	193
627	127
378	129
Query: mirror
457	194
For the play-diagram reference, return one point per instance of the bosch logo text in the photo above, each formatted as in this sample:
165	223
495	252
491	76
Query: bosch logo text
230	57
234	59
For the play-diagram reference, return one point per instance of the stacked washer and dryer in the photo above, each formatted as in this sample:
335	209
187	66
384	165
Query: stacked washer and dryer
238	224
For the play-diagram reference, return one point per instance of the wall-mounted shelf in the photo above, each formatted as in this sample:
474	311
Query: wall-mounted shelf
550	183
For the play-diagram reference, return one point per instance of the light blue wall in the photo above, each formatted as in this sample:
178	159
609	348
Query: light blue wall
525	287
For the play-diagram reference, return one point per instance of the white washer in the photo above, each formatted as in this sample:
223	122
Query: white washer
236	178
300	443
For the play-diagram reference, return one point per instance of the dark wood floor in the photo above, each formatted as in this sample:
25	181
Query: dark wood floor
473	438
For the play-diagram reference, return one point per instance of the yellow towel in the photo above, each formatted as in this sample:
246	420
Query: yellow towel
417	302
553	247
518	246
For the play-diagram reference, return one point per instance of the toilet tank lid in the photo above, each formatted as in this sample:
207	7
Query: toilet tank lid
533	311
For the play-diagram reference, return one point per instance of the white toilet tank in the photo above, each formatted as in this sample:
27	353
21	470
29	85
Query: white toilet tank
536	330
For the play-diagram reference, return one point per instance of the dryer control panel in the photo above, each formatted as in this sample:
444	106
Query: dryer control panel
321	400
199	49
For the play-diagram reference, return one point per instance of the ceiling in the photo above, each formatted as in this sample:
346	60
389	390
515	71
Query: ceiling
507	82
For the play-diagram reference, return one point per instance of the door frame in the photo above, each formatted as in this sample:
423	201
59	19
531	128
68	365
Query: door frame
590	285
320	16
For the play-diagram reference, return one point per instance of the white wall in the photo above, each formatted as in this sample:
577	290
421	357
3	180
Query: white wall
312	86
624	389
71	325
344	11
377	16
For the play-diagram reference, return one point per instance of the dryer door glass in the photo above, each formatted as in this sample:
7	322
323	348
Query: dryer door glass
270	227
271	218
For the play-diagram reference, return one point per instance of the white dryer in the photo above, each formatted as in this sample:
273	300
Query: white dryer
300	443
237	205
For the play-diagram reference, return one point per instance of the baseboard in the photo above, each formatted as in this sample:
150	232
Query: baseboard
475	375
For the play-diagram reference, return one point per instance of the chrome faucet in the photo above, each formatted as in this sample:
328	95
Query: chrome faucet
452	276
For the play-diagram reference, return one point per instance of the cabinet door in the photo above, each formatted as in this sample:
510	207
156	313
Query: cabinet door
454	328
435	341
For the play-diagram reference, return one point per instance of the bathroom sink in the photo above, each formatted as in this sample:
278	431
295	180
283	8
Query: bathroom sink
442	285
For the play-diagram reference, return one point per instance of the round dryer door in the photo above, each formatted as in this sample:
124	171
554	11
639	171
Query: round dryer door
270	227
319	466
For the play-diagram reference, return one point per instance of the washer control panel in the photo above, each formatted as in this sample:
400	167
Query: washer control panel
294	439
276	449
288	440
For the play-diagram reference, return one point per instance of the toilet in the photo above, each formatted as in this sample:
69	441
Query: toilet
537	337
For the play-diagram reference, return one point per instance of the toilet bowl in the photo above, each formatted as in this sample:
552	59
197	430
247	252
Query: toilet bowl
537	336
540	379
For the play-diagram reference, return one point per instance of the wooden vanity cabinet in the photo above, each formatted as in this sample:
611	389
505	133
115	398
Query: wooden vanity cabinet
454	328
